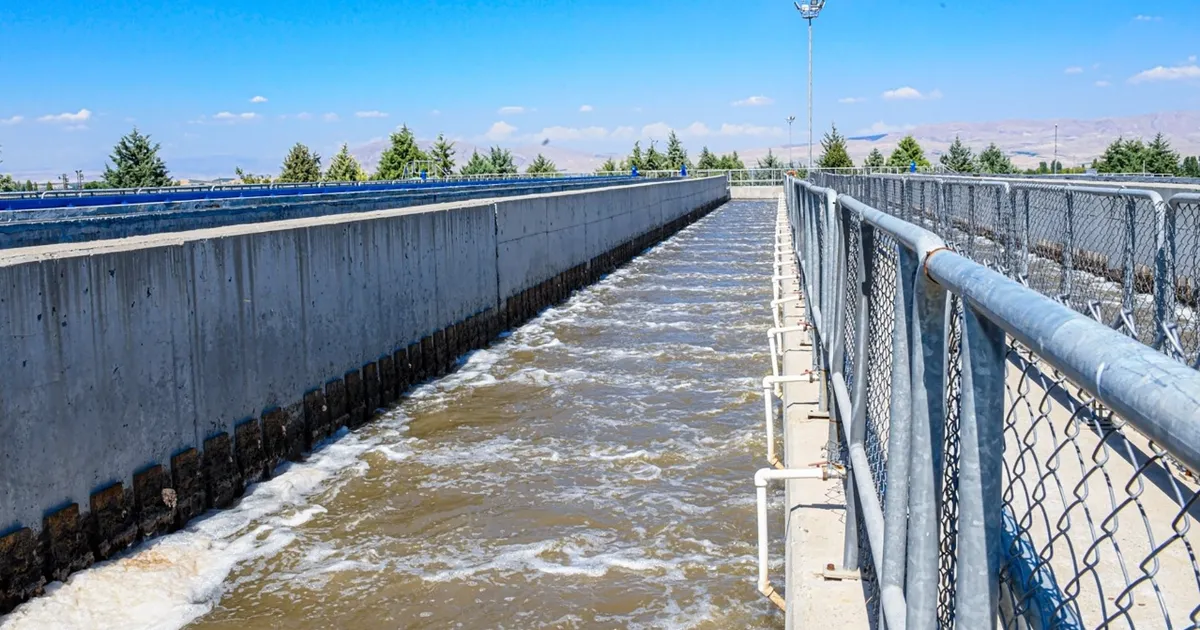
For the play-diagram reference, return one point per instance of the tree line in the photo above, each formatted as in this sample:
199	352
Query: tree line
676	158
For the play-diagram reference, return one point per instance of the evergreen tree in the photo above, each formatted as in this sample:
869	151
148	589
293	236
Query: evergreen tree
502	161
301	165
833	151
960	158
8	184
655	161
478	165
907	152
137	164
677	156
49	185
993	161
345	167
403	153
609	166
540	165
1123	157
635	159
731	162
770	160
1191	166
875	159
250	178
708	161
442	156
30	186
1160	159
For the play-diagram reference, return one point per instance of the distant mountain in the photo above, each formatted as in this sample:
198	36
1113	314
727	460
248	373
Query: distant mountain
1027	142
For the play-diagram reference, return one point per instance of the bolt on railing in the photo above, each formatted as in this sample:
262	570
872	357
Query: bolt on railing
1011	461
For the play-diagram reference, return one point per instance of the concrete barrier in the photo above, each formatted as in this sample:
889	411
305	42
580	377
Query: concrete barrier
28	228
151	378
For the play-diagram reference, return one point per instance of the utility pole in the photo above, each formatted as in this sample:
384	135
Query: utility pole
791	162
1054	164
810	11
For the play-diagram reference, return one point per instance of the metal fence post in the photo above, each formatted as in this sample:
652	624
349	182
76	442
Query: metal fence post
981	456
1130	243
1164	268
1068	253
971	226
928	375
858	411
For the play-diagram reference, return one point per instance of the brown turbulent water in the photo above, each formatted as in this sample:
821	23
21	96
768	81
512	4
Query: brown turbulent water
593	469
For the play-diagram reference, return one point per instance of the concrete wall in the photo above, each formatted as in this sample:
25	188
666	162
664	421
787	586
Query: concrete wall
27	228
150	378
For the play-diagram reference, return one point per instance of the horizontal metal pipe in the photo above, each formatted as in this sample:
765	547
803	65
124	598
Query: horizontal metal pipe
1154	393
919	240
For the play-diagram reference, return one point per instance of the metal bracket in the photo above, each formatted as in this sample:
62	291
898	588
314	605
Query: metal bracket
833	574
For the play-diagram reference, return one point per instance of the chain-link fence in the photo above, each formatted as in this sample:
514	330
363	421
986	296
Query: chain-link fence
1011	461
1124	257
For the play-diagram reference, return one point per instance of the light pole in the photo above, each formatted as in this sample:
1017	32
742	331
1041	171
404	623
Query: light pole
1054	164
791	162
810	11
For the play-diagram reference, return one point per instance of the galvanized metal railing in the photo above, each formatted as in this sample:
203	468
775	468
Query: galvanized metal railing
1011	461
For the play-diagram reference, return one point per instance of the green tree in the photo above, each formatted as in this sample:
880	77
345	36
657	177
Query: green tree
1123	156
345	167
708	161
731	162
49	185
875	159
401	154
907	152
502	161
677	156
770	160
96	185
7	184
635	159
1160	158
478	165
250	178
833	151
655	160
137	164
30	186
301	165
541	166
442	155
1191	166
993	161
609	166
960	158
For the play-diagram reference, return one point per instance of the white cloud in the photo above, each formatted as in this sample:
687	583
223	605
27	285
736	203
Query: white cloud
1102	84
696	130
1147	18
728	129
558	134
850	100
499	131
623	133
586	108
259	99
907	93
303	116
754	101
1191	58
436	112
1073	70
232	117
656	131
67	117
11	121
509	110
330	117
1162	73
881	127
374	113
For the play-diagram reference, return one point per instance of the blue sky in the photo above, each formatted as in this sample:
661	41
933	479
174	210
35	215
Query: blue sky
586	75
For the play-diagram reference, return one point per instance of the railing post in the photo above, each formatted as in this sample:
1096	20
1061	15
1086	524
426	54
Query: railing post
1068	253
928	359
866	286
971	226
1023	226
1164	268
1130	243
981	456
896	497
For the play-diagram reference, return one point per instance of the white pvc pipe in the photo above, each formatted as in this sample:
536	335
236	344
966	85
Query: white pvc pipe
768	390
776	342
761	479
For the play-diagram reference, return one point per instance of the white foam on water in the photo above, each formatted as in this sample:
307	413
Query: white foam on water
168	582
